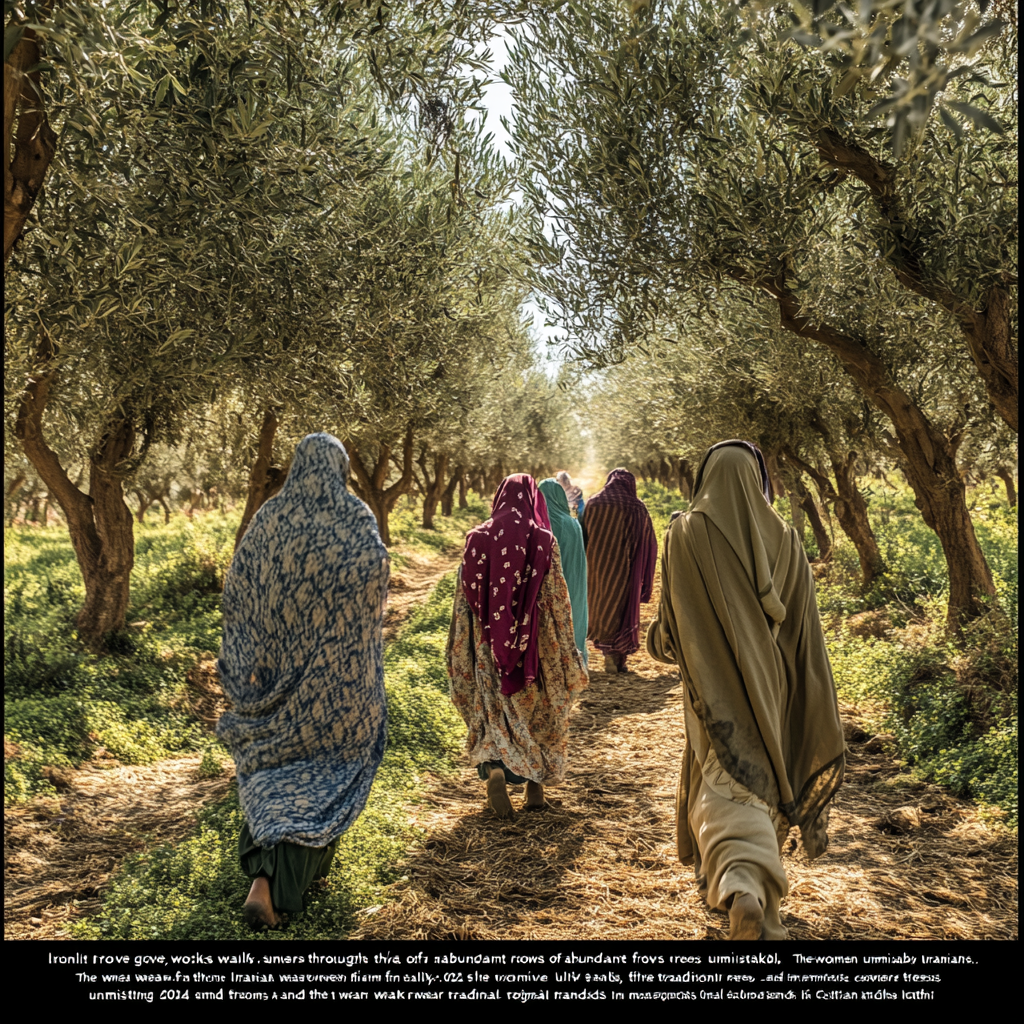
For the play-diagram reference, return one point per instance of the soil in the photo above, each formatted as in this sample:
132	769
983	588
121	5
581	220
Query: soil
906	859
59	853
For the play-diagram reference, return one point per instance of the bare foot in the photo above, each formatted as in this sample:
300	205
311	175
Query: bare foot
746	918
610	665
258	909
535	797
497	794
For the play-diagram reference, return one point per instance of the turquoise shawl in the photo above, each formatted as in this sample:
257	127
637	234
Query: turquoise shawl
574	559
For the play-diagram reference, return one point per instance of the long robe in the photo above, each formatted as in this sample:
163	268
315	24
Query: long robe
569	535
622	554
526	731
764	746
302	654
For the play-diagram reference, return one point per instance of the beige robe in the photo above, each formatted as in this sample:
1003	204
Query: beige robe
765	746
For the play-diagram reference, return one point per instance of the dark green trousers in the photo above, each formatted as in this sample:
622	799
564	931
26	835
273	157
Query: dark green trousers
291	869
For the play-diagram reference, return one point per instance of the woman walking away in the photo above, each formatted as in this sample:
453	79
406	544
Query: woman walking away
302	663
622	553
573	494
512	659
569	535
764	744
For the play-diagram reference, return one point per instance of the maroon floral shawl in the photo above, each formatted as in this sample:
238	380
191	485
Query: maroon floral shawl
503	567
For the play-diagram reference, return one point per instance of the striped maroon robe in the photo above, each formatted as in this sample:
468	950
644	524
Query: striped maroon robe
622	553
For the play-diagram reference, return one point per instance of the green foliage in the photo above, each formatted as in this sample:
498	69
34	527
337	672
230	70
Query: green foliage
448	535
195	890
952	706
661	502
61	702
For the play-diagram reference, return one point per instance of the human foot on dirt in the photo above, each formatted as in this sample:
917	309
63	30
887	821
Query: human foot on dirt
497	794
535	798
610	665
746	918
258	910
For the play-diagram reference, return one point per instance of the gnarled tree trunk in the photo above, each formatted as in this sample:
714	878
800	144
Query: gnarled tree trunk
463	488
987	329
448	495
433	487
372	480
806	503
929	458
265	479
1006	475
100	523
851	510
29	142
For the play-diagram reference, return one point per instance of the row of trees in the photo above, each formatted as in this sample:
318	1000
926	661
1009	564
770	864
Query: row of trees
274	219
257	222
715	192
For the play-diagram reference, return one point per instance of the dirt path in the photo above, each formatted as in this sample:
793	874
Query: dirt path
59	853
905	861
601	864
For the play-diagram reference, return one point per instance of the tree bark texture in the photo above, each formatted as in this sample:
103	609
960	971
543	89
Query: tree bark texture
1006	476
805	501
851	510
29	142
463	488
433	488
100	522
988	329
929	458
372	480
265	479
448	495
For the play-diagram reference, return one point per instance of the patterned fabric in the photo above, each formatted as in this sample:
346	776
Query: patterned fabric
302	654
503	568
527	730
622	553
569	535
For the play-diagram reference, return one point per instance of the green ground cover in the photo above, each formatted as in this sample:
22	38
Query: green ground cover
952	709
61	703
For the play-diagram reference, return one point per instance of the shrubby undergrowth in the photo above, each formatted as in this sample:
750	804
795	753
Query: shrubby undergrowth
952	708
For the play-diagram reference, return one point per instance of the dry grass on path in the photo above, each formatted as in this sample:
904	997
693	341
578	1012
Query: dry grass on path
60	852
602	863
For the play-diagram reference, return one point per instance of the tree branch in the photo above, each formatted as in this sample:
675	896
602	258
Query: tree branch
26	130
986	331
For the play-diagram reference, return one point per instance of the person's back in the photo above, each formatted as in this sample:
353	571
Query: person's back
764	745
621	557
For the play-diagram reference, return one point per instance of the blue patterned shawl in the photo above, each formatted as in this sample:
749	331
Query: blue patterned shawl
302	654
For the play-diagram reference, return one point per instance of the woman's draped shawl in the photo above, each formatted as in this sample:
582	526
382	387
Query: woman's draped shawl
573	494
738	616
622	553
503	567
302	654
569	535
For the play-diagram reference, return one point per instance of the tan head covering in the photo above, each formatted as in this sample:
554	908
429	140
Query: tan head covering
738	616
730	495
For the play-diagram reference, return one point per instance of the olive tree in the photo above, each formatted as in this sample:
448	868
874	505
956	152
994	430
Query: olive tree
673	169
